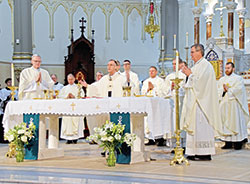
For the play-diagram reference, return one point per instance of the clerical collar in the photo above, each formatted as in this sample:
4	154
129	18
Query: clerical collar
112	76
55	83
7	88
38	69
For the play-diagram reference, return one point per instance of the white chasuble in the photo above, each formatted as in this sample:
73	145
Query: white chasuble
234	108
200	113
29	88
158	90
72	127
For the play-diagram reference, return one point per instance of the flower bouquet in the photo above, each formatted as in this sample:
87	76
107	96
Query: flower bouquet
110	136
19	135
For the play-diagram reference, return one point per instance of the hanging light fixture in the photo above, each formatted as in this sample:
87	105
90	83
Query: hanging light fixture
153	26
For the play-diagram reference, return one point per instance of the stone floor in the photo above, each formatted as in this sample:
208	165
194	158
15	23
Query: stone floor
82	163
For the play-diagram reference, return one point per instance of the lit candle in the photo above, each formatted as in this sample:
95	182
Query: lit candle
186	39
12	75
195	2
162	42
174	41
177	65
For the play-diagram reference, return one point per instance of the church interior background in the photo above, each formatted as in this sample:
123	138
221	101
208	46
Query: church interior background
44	27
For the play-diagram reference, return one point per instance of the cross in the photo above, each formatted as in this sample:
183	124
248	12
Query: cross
120	119
118	106
30	107
82	26
49	107
221	8
73	106
97	107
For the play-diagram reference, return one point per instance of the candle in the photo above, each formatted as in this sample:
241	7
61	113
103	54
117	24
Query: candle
177	65
186	39
195	2
12	75
174	41
162	42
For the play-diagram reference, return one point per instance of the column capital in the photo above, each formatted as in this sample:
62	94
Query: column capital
242	12
231	6
196	11
209	17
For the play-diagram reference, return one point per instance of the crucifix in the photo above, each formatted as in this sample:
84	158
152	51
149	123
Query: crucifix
82	20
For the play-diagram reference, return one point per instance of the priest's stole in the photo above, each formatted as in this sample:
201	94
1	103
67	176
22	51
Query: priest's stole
31	150
123	157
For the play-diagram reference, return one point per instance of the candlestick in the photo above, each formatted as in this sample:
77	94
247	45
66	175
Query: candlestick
177	65
186	39
12	75
174	41
162	42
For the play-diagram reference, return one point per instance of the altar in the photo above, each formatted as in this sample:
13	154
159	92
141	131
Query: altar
159	112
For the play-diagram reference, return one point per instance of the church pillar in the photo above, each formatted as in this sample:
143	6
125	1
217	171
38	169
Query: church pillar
22	31
209	25
196	12
230	5
169	24
242	13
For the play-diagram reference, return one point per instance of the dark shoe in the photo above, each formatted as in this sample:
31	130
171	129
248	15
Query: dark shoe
69	142
103	153
228	145
160	142
191	157
172	151
74	141
150	142
245	140
204	157
238	145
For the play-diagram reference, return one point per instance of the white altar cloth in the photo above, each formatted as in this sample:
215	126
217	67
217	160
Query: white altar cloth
158	110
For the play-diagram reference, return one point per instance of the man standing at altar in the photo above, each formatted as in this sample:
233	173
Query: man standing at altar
57	85
132	77
170	92
109	85
234	108
34	80
72	127
92	90
200	113
154	85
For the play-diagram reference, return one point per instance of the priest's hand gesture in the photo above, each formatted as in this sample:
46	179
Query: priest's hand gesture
225	87
187	71
127	76
39	78
150	86
83	83
70	95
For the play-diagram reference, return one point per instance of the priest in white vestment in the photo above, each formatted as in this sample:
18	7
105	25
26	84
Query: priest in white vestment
234	108
57	85
72	127
200	114
92	89
132	76
152	87
34	80
170	92
109	85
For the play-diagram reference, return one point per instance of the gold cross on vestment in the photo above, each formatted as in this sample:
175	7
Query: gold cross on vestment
73	106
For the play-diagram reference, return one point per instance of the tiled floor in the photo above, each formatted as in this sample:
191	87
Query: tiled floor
82	163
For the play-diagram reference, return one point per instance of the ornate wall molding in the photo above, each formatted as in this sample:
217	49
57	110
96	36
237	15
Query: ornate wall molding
89	7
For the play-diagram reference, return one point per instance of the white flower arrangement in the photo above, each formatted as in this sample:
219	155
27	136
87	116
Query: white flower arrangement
21	134
110	136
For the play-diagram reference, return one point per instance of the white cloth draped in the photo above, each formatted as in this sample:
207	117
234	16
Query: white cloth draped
234	108
29	88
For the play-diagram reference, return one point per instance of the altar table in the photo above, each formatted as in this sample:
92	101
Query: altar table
159	112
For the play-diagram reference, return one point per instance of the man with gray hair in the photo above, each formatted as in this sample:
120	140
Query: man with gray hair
200	114
34	80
